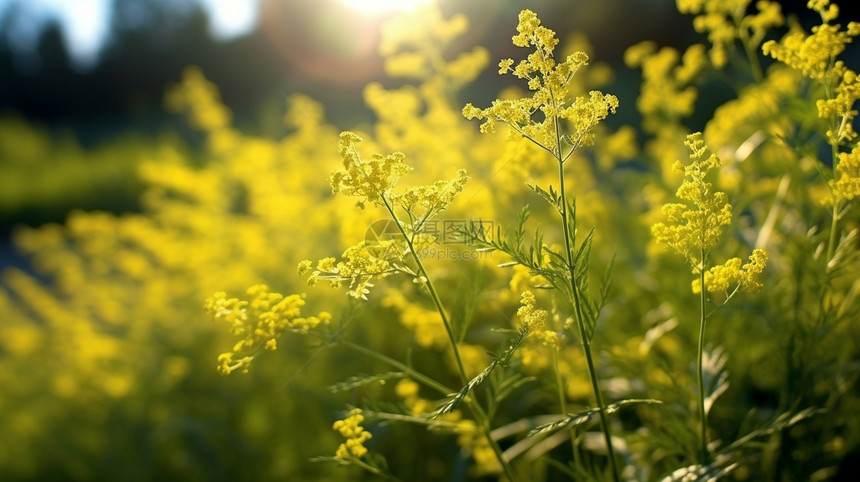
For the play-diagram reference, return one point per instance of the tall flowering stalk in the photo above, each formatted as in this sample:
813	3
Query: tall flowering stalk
373	180
815	56
692	229
559	124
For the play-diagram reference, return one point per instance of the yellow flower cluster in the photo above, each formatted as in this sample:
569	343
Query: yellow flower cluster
259	322
666	93
414	46
433	198
726	21
200	97
201	100
370	180
695	226
532	319
828	11
355	435
359	265
549	81
732	275
815	56
847	184
758	107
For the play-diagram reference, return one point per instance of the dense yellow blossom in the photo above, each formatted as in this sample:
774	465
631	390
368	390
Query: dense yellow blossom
351	429
847	184
667	92
258	322
531	318
549	82
202	102
415	45
815	56
370	180
695	226
730	275
758	108
726	21
106	330
358	266
433	198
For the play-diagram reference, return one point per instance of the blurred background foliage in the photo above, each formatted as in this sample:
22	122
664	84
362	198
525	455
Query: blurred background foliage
133	188
319	48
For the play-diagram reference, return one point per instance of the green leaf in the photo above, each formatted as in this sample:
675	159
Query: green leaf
588	415
457	398
362	380
716	378
781	422
551	197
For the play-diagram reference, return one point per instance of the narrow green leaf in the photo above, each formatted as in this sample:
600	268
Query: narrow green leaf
587	415
455	400
362	380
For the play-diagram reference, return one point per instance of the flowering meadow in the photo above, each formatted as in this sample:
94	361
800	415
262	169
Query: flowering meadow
518	290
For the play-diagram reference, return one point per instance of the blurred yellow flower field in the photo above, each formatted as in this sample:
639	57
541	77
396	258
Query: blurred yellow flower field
526	290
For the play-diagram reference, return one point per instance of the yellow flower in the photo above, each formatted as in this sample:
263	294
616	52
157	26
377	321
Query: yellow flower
847	184
666	91
694	226
726	21
258	322
815	56
370	180
351	429
435	197
532	318
358	266
550	82
733	275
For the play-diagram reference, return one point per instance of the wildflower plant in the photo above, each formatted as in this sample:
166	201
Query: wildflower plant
559	124
693	228
530	367
259	322
816	56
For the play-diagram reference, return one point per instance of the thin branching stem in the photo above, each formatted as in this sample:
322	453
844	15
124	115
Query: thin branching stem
433	294
577	305
477	411
834	218
435	385
700	379
373	470
749	49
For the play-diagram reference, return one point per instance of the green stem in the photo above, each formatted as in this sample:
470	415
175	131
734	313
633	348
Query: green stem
586	343
835	129
373	470
475	408
400	366
433	294
749	49
834	220
700	379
